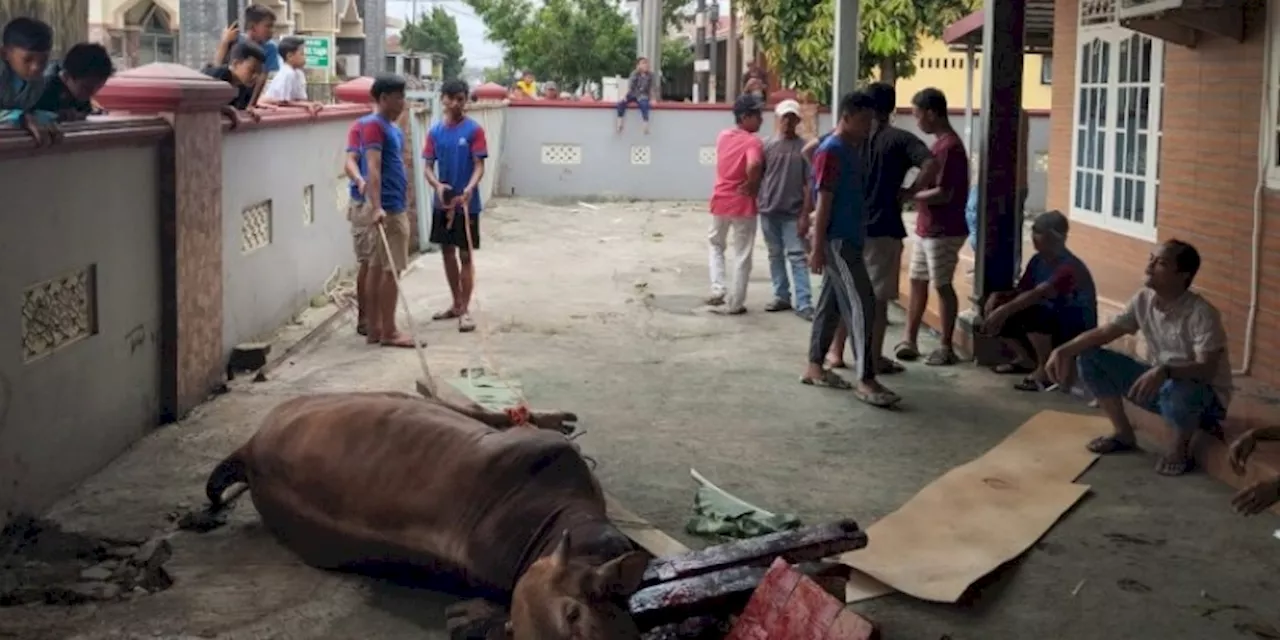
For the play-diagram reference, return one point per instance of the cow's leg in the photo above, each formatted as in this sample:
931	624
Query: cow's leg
560	421
476	620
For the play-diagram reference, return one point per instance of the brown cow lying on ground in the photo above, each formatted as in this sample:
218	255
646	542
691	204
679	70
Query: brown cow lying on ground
364	480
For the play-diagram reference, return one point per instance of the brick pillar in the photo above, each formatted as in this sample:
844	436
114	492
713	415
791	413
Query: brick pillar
201	29
69	18
190	166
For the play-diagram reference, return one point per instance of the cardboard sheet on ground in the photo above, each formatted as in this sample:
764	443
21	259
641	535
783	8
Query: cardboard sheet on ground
979	515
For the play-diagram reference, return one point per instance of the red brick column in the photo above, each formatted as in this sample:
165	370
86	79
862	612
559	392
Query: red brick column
190	166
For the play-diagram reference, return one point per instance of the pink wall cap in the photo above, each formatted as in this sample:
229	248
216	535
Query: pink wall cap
490	91
163	87
356	90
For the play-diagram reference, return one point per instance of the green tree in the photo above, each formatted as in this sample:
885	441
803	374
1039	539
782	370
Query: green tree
568	41
798	36
436	32
677	55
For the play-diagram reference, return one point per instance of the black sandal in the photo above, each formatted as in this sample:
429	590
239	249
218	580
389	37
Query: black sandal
1031	384
1012	368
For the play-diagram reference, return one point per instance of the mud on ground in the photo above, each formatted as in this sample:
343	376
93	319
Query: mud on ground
596	310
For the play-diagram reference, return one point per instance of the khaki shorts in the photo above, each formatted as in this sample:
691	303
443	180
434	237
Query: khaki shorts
396	225
363	236
935	259
883	257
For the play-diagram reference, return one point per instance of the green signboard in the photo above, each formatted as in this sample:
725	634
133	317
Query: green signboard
319	52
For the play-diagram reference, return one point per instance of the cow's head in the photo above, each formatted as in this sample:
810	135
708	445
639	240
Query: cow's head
563	597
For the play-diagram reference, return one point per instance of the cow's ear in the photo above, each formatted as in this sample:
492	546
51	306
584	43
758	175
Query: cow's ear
620	576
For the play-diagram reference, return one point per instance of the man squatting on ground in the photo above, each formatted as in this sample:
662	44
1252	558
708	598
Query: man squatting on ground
382	144
941	231
739	168
784	197
455	151
1190	384
837	234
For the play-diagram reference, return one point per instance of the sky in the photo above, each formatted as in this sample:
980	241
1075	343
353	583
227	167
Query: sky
477	49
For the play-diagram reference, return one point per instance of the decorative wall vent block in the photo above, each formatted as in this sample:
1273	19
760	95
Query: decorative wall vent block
640	155
707	155
309	204
59	312
561	154
255	227
1042	161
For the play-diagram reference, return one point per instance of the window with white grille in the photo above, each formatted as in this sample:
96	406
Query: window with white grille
1116	141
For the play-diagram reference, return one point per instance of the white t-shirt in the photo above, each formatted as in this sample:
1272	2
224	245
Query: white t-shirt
288	85
1188	327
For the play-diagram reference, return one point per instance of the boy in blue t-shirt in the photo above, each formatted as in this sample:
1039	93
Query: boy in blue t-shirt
24	54
382	143
837	234
455	151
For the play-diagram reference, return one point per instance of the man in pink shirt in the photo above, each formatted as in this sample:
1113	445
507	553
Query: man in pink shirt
739	168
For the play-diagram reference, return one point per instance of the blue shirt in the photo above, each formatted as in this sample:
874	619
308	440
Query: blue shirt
353	146
1075	302
838	169
376	133
453	148
271	49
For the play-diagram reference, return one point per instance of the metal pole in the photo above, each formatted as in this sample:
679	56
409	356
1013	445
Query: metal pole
969	59
700	64
732	63
714	19
845	72
657	34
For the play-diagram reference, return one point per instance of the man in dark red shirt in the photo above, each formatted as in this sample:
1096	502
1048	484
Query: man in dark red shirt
941	230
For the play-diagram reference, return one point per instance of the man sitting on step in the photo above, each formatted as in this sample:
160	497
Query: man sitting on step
1190	382
1262	494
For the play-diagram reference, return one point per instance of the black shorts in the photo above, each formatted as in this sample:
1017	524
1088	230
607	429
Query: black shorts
455	235
1038	319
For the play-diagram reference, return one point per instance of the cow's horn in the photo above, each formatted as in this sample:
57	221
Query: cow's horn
561	554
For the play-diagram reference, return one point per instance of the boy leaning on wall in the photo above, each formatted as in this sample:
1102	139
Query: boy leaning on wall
71	84
24	54
288	88
259	26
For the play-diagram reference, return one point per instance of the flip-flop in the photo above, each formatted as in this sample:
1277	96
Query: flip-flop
723	311
880	399
447	314
466	324
828	380
1171	467
1012	368
888	367
1031	384
1104	445
714	300
906	352
941	358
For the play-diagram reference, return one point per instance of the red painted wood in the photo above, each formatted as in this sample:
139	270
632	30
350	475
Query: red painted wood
789	606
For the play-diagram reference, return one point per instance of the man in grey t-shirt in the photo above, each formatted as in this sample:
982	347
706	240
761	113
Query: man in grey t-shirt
784	195
639	90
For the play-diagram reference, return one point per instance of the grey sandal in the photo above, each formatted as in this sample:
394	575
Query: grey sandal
828	380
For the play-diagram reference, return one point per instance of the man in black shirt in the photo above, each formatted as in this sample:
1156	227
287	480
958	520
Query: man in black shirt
71	84
241	72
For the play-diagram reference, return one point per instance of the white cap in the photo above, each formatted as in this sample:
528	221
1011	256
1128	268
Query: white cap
787	106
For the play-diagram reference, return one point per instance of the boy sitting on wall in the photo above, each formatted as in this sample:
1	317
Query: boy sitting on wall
24	55
71	84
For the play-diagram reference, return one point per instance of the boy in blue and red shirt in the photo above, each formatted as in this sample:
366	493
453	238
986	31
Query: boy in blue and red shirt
382	145
362	234
455	152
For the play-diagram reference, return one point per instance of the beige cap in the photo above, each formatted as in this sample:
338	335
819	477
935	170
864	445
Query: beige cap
787	106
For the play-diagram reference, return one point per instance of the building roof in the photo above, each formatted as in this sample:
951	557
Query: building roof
967	31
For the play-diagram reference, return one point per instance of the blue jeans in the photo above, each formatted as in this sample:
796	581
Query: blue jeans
643	103
1184	404
786	247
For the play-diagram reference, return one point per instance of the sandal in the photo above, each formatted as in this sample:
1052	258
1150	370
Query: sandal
881	399
888	367
835	364
1109	444
1031	384
447	314
466	324
906	351
941	357
828	380
777	305
1012	368
1171	467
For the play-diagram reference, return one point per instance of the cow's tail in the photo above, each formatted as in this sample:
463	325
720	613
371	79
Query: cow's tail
228	473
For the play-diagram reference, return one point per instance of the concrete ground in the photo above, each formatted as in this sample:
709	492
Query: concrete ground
596	309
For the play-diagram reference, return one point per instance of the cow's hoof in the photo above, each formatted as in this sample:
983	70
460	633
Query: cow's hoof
475	620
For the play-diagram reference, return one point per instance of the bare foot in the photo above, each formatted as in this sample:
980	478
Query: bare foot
399	340
646	128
